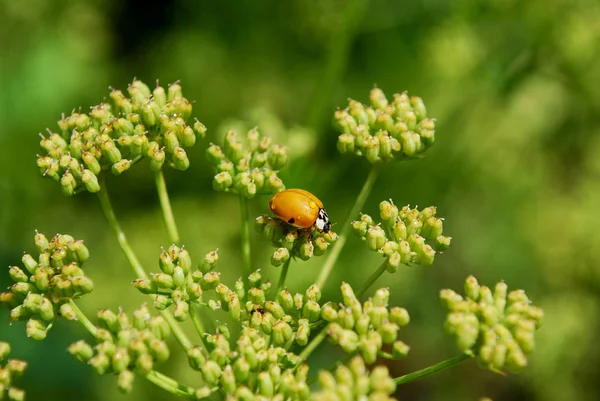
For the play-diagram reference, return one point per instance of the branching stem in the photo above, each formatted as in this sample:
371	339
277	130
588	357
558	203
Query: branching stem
339	244
165	205
372	279
432	369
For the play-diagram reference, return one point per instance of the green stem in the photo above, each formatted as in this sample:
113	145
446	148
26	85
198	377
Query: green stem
82	318
372	279
312	345
432	369
180	336
245	239
198	325
109	212
339	47
133	260
339	244
165	205
171	385
282	276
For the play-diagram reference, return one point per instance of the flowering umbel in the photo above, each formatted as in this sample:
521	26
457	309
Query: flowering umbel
125	345
497	326
247	166
10	369
42	289
406	236
117	134
384	130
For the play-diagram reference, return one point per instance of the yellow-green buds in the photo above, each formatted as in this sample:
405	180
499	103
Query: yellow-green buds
125	345
10	369
115	138
247	166
354	382
497	327
45	285
364	327
292	242
405	235
385	130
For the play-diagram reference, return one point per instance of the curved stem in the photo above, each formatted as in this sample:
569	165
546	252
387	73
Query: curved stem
339	244
282	276
372	279
198	325
432	369
312	345
82	318
165	205
245	239
109	212
180	336
171	385
339	47
133	260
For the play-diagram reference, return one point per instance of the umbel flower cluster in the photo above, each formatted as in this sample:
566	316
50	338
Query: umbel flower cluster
113	136
496	326
249	166
177	284
292	242
385	130
366	328
406	235
355	382
43	289
125	345
10	369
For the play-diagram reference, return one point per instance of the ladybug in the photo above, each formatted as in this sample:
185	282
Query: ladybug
301	209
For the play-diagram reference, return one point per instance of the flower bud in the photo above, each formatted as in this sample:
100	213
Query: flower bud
282	332
280	256
180	159
378	99
90	181
36	329
345	143
388	212
375	238
381	297
46	310
285	299
311	310
81	351
211	372
277	157
181	311
360	228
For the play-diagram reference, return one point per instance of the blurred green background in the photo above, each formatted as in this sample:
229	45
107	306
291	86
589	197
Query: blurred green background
515	89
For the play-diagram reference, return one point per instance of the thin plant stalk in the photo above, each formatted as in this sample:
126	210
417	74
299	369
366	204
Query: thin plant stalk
198	325
282	276
312	345
345	231
432	369
245	239
114	223
82	318
109	212
165	205
170	385
380	270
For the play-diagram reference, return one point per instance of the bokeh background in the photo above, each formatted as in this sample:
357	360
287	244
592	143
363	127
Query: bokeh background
515	170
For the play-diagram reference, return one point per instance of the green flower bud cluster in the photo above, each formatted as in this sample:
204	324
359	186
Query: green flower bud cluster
10	369
151	124
178	284
354	382
365	328
247	167
406	235
252	370
290	241
125	345
497	326
44	286
385	130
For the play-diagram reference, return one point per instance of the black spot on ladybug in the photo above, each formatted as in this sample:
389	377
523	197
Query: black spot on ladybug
291	221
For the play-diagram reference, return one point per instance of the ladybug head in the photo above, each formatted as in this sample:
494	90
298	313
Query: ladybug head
322	222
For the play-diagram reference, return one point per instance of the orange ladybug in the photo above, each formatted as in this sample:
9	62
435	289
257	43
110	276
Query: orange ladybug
301	209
